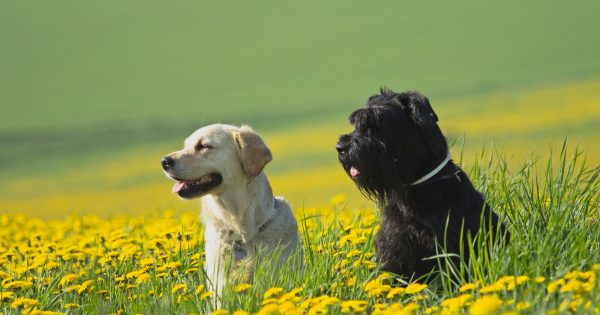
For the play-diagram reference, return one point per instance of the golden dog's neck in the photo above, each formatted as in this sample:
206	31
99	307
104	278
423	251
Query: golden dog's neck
241	208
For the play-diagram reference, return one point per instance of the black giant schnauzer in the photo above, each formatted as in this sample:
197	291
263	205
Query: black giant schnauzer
398	156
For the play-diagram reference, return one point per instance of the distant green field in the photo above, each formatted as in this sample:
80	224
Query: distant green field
98	78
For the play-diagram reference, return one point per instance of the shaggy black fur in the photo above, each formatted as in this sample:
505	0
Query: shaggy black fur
395	142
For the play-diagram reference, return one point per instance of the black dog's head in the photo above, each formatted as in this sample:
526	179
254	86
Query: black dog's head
396	141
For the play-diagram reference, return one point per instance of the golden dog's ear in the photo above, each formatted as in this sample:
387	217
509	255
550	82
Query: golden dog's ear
254	153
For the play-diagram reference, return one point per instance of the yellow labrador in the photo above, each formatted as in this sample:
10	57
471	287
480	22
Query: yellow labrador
223	165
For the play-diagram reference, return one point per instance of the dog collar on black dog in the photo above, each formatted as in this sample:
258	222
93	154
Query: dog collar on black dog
434	172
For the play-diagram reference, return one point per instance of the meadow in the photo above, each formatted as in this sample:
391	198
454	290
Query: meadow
140	264
92	95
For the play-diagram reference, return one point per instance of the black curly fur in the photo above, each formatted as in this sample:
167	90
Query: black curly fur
395	142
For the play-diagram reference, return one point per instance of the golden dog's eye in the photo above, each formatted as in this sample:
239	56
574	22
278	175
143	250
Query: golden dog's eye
201	146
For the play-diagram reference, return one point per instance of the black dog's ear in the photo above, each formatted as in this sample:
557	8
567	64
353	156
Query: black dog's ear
363	118
420	110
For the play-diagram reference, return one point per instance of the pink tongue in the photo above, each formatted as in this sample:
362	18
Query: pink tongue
177	187
354	172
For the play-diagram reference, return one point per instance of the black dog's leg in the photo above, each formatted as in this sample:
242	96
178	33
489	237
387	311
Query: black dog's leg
401	243
394	250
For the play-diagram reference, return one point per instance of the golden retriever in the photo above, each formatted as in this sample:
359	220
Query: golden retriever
223	165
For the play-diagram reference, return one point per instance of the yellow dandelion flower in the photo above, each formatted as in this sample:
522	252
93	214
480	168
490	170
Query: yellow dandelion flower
72	288
353	253
586	275
415	288
113	254
269	309
71	306
206	295
51	265
6	295
85	286
394	292
162	275
289	308
4	275
380	306
351	281
410	307
554	285
322	303
242	287
39	312
18	285
196	256
521	306
179	288
385	276
136	273
564	305
220	312
240	312
572	286
454	304
146	262
173	265
399	309
376	288
142	278
492	288
353	306
485	305
268	301
344	239
539	279
522	279
69	278
271	292
23	302
289	296
468	287
199	289
369	264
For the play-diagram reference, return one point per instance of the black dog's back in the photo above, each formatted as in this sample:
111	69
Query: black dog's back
431	219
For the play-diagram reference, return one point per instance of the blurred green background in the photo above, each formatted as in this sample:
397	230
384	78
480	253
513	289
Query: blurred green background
82	83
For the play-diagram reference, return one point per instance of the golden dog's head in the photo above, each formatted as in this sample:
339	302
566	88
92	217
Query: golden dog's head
215	157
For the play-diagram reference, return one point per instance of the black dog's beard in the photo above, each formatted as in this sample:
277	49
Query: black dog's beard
372	168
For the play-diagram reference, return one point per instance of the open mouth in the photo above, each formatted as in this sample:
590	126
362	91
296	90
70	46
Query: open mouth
196	187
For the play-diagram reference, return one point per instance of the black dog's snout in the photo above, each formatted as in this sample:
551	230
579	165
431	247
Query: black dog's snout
342	145
167	162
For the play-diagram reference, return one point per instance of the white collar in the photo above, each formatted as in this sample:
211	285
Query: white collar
432	173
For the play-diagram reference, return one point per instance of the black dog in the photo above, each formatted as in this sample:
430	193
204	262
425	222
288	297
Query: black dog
398	156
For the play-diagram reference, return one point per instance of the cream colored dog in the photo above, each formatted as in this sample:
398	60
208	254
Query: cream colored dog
223	165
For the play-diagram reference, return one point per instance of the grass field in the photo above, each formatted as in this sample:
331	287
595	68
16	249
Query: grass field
152	264
92	95
306	170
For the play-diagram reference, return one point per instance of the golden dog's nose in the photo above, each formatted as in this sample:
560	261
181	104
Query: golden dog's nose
167	163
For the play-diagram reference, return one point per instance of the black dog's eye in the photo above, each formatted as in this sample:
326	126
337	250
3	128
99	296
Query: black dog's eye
201	146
